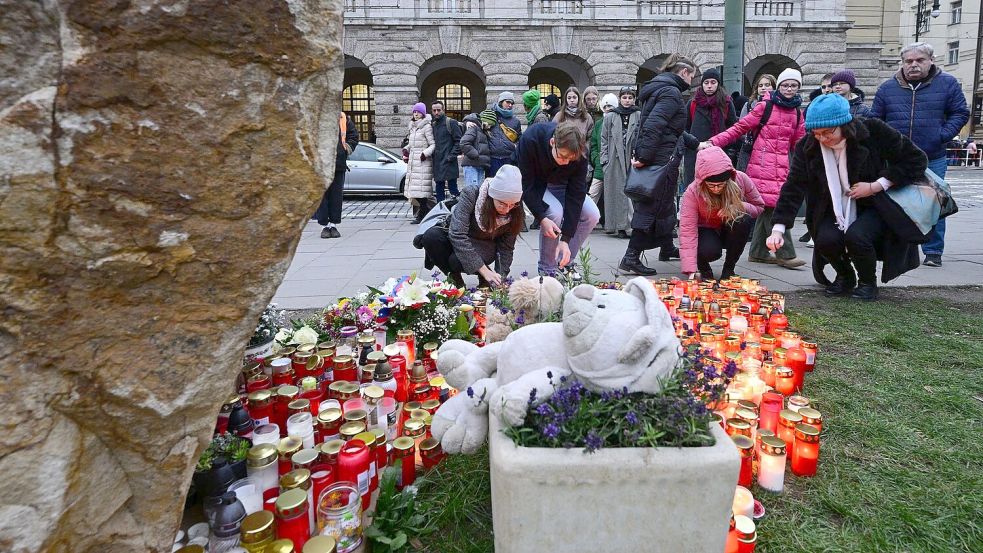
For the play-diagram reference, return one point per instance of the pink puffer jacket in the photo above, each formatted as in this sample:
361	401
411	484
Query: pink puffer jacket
694	213
769	162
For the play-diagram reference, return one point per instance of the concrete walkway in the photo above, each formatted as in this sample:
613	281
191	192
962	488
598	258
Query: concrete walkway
376	244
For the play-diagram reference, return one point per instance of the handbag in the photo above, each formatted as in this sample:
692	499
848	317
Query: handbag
925	201
644	182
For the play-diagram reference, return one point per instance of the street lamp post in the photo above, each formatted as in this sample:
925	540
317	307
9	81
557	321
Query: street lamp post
920	15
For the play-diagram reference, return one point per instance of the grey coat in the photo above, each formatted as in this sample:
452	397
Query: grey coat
474	144
473	246
616	160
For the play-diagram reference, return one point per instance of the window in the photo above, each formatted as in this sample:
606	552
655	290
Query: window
359	103
563	6
449	6
953	53
456	99
364	153
350	5
670	7
925	21
956	13
545	90
774	9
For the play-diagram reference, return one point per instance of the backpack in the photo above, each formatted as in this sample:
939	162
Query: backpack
747	141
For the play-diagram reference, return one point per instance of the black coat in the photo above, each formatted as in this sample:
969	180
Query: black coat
878	151
662	123
447	138
700	127
351	140
474	144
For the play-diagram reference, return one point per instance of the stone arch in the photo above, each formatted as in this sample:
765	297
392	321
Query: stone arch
772	64
458	80
649	69
358	97
561	71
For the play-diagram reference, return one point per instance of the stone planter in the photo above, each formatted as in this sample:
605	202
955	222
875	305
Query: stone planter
626	499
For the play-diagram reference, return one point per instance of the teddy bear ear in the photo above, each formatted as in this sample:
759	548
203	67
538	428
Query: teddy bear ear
655	311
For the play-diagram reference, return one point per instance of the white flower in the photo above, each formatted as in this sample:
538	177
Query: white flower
388	285
304	335
412	293
283	335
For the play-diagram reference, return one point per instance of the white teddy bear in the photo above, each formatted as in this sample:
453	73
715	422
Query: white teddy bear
608	340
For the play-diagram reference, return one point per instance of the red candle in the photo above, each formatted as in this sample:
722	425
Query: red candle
368	438
431	453
787	419
404	453
258	382
785	381
732	545
353	466
812	417
812	350
261	407
805	450
292	522
746	534
284	395
286	449
795	359
314	396
745	446
322	476
768	373
344	368
398	364
771	405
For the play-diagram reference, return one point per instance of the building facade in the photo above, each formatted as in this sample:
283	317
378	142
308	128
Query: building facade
873	44
466	52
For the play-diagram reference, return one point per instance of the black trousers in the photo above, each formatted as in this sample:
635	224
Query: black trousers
712	243
642	240
438	247
857	245
330	209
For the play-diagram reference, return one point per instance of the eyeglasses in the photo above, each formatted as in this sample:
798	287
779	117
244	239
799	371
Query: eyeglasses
825	133
825	86
789	86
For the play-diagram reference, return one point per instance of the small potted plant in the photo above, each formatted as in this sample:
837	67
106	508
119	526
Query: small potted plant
261	342
222	462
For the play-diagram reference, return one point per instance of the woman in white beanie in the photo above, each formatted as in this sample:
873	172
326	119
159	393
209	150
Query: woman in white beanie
777	124
481	230
608	103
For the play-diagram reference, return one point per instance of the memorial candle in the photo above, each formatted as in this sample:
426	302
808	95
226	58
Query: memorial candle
746	449
746	535
771	468
795	403
785	381
743	502
787	419
805	450
812	417
771	405
795	359
768	373
812	350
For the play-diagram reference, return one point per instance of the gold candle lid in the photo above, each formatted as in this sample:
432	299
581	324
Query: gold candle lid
287	391
329	416
297	478
281	546
772	445
789	417
742	442
260	397
429	444
350	429
367	437
403	443
261	455
332	447
806	433
414	427
810	415
289	445
298	405
411	406
304	458
320	544
291	500
374	393
430	404
355	415
256	527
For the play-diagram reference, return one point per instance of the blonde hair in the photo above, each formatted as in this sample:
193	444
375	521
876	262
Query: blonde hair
677	62
729	203
768	77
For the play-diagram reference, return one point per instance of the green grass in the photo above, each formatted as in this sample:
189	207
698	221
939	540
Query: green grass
900	385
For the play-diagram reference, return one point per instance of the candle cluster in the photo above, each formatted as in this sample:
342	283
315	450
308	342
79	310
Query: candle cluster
325	420
773	426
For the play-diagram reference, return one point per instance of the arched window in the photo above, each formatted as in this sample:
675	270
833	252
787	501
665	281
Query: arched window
359	103
545	89
456	99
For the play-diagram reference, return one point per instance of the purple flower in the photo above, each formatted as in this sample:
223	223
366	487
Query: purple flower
631	418
525	274
593	442
551	431
532	395
544	409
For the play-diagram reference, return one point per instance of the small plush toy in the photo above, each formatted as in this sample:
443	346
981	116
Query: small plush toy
609	340
532	297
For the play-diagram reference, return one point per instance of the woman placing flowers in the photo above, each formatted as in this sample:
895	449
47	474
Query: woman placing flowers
716	213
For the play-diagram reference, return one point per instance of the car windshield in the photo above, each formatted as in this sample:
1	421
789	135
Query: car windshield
365	153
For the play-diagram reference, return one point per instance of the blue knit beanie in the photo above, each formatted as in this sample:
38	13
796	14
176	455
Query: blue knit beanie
828	110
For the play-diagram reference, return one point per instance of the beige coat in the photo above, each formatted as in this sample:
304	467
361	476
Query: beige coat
419	174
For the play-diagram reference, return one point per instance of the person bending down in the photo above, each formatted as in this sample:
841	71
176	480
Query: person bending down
482	230
717	213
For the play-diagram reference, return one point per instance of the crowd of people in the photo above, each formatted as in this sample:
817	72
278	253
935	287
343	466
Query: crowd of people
747	165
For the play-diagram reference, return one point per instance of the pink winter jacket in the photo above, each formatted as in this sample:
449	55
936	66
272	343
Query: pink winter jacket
694	213
769	162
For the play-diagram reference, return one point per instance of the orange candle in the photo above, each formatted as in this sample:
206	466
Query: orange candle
745	446
812	417
787	420
784	381
805	451
795	359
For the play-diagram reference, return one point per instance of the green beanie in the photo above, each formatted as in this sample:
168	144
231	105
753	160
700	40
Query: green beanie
530	98
488	117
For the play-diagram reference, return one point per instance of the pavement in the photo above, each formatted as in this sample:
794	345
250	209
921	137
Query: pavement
377	236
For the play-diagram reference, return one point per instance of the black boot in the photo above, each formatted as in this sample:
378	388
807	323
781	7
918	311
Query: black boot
727	272
669	251
631	264
867	278
425	206
846	279
706	271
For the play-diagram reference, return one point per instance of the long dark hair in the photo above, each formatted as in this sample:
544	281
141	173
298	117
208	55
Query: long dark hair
720	96
489	213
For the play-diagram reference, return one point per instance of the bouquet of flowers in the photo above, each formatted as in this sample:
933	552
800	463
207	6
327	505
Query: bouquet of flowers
269	323
427	307
360	311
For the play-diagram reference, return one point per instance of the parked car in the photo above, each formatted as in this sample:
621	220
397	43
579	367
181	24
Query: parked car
373	170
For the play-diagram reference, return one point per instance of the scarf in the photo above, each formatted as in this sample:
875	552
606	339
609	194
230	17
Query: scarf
595	113
479	205
844	207
532	113
571	112
782	101
709	103
505	113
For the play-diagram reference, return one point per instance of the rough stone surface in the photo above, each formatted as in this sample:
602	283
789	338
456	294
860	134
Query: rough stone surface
661	500
158	159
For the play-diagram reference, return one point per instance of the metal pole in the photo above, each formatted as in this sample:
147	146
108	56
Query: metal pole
734	45
976	74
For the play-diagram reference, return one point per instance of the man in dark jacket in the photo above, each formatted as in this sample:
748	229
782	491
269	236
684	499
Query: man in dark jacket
554	188
329	212
447	137
928	106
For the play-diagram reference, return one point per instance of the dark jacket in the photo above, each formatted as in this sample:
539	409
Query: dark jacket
663	119
474	144
700	127
351	140
447	137
499	145
473	246
929	113
857	106
534	158
878	151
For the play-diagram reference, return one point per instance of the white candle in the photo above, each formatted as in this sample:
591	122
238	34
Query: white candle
771	469
743	502
738	324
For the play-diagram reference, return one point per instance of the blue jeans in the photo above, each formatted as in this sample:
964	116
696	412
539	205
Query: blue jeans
936	243
473	175
589	216
451	185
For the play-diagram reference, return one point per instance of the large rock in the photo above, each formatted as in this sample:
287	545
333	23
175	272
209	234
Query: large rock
158	160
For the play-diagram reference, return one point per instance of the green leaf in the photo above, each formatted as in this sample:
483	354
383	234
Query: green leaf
399	541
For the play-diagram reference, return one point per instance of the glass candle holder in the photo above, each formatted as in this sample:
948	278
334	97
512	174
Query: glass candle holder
738	427
348	342
286	449
261	466
322	476
300	479
787	419
743	502
795	359
350	429
795	403
812	350
301	425
408	337
748	416
256	532
292	522
812	417
404	453
805	450
249	493
771	406
746	535
368	438
344	368
771	466
261	406
785	381
339	515
431	453
767	373
328	425
353	466
745	447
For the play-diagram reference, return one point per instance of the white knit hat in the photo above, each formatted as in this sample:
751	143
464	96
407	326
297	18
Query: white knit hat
506	185
790	75
609	100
